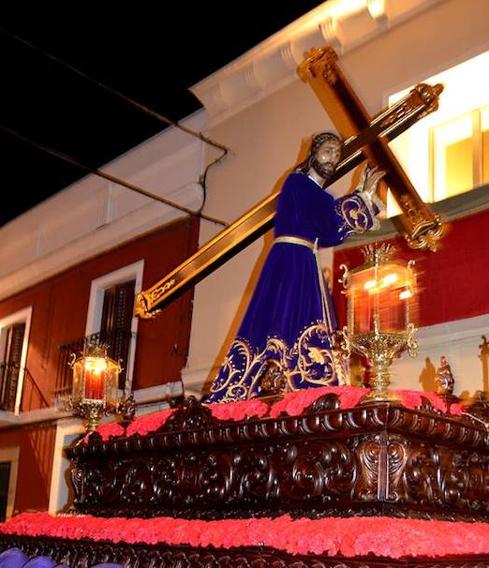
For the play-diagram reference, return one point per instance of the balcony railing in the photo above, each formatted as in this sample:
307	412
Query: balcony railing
32	395
9	379
118	341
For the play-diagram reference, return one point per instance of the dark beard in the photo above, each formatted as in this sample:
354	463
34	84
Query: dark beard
324	170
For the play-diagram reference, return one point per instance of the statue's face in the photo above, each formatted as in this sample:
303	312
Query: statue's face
326	158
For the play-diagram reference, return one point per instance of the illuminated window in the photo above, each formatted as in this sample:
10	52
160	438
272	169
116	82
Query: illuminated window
460	154
447	152
484	122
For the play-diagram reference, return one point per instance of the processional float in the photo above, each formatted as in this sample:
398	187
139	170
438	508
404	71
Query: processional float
317	482
365	138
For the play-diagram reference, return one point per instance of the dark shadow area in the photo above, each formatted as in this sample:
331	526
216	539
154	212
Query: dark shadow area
427	378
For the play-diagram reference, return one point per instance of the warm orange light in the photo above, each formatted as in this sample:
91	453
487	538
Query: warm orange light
405	294
95	364
380	293
370	284
376	8
389	279
440	152
95	376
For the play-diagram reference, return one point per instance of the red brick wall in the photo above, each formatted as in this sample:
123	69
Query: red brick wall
36	445
453	282
60	304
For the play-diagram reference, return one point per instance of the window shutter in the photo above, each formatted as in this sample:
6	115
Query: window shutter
11	365
115	328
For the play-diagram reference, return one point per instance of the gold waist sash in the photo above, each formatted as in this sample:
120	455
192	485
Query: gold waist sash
293	240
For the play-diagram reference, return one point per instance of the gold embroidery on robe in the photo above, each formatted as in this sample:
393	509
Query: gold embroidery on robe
310	362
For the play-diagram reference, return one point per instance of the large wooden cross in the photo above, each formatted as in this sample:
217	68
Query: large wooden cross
365	138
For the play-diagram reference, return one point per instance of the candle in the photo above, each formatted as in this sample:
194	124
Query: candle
95	369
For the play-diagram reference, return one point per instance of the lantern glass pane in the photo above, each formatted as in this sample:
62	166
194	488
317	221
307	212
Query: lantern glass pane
94	373
379	298
111	382
78	390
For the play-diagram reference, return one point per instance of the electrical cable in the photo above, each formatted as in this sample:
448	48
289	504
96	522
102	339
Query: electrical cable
105	175
129	100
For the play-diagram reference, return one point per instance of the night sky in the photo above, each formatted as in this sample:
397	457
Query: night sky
135	52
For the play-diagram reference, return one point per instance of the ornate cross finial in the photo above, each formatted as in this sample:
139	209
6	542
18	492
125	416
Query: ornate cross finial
376	254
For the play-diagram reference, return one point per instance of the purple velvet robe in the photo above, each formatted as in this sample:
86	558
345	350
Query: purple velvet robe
290	317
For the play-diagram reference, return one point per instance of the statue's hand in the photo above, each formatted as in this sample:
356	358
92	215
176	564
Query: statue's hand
369	180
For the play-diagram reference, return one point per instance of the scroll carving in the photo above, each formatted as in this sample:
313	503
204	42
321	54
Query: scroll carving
376	459
84	553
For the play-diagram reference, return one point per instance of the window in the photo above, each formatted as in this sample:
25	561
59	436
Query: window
14	334
460	154
110	315
115	325
9	462
10	368
4	484
447	152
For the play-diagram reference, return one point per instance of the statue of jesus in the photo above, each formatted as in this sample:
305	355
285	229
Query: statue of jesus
284	342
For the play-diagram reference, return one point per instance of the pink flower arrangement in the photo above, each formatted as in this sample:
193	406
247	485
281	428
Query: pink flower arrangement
295	403
349	537
142	426
109	430
149	422
239	410
292	404
413	399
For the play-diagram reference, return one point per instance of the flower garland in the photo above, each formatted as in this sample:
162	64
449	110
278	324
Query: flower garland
142	425
292	404
239	410
349	537
107	431
149	422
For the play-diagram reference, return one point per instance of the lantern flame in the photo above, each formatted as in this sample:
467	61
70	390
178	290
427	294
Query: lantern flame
389	279
95	364
405	294
370	284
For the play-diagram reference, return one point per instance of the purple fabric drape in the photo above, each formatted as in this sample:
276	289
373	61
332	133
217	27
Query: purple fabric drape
40	562
290	317
12	558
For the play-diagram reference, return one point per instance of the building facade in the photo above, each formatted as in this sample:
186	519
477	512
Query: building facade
260	108
69	267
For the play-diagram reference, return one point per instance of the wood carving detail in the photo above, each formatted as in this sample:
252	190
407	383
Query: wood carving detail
368	460
84	553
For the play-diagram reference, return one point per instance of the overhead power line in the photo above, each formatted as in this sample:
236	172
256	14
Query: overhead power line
105	175
131	102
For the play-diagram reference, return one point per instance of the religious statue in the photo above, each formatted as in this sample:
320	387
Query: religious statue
284	342
444	377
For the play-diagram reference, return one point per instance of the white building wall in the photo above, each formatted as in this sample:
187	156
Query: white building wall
458	341
259	108
94	215
265	136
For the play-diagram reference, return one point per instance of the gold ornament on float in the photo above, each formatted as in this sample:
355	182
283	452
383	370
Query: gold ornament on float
381	297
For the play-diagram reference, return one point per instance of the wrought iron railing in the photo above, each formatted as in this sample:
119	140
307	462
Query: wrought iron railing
9	379
118	342
32	395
